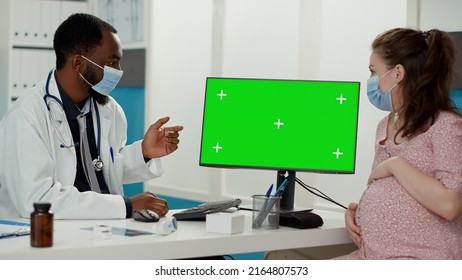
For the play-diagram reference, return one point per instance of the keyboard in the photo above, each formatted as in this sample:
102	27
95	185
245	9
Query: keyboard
200	211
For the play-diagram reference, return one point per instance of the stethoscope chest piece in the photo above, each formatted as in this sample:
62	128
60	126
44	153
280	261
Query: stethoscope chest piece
98	164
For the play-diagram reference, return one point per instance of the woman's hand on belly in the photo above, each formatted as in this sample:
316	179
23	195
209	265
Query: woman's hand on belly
382	169
351	226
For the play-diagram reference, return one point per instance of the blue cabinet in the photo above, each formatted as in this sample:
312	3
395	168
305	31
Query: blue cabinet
131	98
456	96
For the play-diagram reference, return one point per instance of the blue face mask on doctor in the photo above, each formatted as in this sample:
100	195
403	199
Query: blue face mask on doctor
381	100
111	78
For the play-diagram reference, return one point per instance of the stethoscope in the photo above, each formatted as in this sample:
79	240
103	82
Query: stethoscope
97	162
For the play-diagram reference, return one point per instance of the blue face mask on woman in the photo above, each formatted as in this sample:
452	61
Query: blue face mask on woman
111	78
381	100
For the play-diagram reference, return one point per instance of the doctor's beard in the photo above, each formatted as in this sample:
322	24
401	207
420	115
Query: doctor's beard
101	99
93	79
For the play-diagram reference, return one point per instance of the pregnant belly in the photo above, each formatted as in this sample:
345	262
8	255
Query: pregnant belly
385	213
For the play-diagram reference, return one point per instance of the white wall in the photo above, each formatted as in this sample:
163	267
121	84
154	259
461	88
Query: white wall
291	39
444	15
179	59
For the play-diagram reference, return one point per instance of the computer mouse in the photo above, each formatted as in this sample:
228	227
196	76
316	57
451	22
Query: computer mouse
146	215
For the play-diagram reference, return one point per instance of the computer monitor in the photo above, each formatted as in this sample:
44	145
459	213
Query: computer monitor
283	125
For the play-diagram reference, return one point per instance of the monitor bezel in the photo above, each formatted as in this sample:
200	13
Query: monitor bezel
285	168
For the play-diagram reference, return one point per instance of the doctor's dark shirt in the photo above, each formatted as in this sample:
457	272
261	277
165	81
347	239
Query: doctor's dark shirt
81	182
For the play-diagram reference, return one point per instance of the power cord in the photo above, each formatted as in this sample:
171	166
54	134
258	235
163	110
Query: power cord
228	257
319	194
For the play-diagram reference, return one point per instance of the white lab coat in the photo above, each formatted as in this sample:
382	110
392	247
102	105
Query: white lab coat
33	166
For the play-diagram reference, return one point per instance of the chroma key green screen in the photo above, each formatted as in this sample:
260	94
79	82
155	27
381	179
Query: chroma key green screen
280	124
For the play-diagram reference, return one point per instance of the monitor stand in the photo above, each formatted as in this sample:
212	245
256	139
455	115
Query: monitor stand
288	196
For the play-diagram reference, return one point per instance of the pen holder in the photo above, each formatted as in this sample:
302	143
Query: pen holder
266	211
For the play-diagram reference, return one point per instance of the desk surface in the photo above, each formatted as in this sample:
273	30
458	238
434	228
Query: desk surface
191	240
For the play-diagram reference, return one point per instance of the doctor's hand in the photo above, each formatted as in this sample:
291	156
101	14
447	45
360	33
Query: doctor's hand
148	200
160	141
350	222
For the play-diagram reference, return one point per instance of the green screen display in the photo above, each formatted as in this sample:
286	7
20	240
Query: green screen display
280	124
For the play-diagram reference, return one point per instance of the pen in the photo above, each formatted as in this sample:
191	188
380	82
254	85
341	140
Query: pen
267	195
112	154
268	192
267	206
19	232
281	187
14	223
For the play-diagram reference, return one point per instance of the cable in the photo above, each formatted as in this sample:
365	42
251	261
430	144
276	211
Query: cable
321	195
228	256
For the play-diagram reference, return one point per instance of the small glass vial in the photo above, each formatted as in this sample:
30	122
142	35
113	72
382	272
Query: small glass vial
41	233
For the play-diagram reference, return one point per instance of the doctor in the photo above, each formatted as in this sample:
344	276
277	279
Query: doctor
44	157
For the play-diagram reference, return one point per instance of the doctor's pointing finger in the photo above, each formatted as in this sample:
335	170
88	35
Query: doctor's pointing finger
160	141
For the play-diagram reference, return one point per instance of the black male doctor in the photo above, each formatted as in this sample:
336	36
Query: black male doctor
40	144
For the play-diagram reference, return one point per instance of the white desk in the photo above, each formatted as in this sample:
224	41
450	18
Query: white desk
191	240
